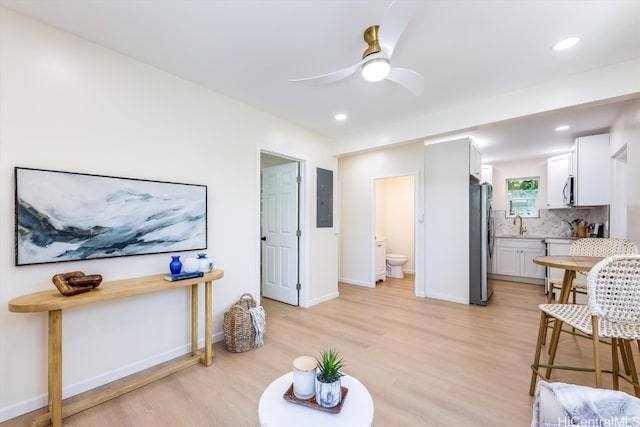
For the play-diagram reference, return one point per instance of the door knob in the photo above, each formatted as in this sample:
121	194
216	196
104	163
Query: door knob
263	238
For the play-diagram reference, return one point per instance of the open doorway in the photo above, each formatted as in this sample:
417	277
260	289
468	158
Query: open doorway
395	231
280	228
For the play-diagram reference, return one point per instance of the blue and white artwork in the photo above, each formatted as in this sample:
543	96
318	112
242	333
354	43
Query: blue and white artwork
64	216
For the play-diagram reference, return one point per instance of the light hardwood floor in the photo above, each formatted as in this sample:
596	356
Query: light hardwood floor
425	362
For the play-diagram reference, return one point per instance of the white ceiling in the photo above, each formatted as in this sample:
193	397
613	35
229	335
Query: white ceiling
466	50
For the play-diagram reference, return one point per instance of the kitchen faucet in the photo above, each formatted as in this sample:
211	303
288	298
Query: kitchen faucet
522	229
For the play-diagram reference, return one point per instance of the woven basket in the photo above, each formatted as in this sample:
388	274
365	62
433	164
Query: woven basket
239	333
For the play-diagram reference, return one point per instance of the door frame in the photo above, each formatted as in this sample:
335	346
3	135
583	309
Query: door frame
417	233
303	214
618	191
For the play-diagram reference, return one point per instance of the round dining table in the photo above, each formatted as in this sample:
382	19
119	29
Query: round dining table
570	264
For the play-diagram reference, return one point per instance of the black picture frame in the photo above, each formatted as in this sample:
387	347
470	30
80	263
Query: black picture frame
68	216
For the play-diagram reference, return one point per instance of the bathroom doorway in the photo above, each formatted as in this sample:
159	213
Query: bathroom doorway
395	229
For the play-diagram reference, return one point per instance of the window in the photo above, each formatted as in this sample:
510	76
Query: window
522	195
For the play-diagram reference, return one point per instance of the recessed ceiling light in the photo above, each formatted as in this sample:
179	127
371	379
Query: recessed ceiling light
566	43
341	117
563	127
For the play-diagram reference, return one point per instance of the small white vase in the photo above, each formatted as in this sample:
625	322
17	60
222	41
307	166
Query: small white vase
328	395
190	265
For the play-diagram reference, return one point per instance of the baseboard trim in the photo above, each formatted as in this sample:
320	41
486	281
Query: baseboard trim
355	282
41	400
324	298
446	297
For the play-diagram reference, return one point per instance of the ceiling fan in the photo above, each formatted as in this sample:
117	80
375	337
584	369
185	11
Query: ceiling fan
376	59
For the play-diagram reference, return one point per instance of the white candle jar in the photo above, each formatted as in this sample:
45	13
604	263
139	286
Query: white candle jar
304	377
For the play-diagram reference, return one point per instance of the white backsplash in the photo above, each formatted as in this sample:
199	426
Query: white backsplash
551	223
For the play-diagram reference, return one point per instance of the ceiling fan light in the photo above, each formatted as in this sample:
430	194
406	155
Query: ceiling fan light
376	69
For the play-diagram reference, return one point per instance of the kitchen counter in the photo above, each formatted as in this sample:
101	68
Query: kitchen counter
520	236
547	239
560	239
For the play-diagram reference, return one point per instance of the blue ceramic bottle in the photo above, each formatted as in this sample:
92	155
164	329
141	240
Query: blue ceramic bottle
175	266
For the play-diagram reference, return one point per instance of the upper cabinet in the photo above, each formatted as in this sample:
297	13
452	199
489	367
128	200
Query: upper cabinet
486	174
475	161
558	171
590	168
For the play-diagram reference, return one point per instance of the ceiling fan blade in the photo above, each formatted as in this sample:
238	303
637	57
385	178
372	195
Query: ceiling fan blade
329	77
393	23
407	78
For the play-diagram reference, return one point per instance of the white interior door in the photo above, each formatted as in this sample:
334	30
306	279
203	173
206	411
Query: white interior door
280	233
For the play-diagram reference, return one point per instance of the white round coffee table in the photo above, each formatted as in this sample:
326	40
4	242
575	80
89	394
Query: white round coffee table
275	411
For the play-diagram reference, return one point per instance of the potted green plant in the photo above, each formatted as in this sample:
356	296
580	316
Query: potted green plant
328	384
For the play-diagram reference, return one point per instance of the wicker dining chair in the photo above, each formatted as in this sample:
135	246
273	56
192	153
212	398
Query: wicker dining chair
590	246
613	312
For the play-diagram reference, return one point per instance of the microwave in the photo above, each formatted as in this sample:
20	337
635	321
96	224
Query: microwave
568	192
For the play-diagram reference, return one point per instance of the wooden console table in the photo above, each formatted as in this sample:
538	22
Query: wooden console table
54	302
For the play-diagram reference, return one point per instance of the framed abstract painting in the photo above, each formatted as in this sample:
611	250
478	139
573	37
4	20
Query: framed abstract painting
67	216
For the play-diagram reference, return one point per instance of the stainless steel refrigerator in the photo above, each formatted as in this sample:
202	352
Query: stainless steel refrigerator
481	241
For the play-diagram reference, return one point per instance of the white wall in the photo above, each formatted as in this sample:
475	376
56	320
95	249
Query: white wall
626	131
67	104
446	201
357	189
381	208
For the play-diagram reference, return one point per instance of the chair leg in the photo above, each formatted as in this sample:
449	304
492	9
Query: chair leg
536	359
550	295
625	359
632	367
574	293
553	347
544	333
614	362
547	323
596	351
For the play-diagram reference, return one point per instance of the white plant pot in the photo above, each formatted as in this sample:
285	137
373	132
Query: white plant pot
328	395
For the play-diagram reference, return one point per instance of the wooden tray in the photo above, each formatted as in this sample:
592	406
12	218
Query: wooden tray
311	402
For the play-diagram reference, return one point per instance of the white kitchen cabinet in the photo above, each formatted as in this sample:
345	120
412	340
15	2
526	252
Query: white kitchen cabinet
381	260
558	170
514	257
475	160
486	174
590	167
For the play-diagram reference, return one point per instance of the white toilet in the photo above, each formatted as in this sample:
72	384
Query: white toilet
394	265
